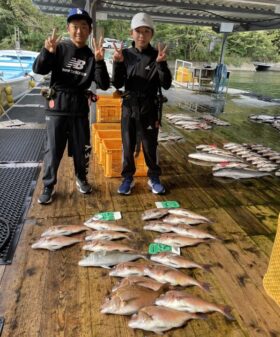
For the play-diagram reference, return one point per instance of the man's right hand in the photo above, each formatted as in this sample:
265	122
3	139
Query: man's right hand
118	54
52	41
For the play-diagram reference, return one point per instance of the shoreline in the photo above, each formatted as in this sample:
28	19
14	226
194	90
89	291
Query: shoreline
243	67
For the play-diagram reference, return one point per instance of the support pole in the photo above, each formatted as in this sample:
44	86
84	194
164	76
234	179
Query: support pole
222	56
90	7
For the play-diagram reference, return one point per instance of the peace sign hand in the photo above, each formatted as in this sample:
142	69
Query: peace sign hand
98	49
161	53
52	41
118	54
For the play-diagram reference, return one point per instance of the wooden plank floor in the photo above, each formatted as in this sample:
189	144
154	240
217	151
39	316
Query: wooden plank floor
47	294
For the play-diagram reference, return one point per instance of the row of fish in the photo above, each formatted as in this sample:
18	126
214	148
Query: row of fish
272	120
262	157
142	291
173	308
193	123
167	136
238	161
149	289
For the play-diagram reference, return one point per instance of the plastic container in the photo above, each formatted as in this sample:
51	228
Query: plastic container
113	159
104	134
183	75
108	109
102	126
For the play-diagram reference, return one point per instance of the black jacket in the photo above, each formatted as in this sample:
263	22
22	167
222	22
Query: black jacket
72	71
140	73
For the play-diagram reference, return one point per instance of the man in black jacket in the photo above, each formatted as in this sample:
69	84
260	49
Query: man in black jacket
143	71
73	67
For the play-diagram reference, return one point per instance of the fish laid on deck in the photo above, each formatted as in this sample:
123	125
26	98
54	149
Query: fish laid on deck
181	229
176	261
220	166
173	276
180	300
64	230
235	173
193	233
107	259
175	240
154	213
106	225
211	157
187	213
128	269
161	227
109	246
106	235
179	219
129	300
140	281
55	242
159	319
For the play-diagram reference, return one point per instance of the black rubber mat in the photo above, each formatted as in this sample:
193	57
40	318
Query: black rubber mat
21	145
1	324
26	114
32	99
4	233
16	188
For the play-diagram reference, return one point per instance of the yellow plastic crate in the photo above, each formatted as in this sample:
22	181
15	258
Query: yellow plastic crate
271	281
104	134
102	126
108	109
113	159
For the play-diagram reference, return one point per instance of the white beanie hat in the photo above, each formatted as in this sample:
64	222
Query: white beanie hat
142	20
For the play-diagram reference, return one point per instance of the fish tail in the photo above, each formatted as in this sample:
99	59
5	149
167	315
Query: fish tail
226	310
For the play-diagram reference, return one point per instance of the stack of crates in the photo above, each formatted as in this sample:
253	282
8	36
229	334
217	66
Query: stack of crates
106	138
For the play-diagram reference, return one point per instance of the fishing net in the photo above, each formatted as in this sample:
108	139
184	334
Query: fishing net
271	281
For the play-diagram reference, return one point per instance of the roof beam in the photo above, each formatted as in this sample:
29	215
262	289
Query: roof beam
181	17
222	7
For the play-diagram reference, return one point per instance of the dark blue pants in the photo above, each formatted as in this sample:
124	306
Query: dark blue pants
60	130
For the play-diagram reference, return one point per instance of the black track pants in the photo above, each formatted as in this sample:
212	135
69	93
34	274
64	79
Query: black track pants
149	134
61	129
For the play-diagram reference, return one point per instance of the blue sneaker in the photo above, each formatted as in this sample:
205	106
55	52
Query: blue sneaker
126	186
156	186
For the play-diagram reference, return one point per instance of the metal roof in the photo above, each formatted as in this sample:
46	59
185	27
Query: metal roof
243	15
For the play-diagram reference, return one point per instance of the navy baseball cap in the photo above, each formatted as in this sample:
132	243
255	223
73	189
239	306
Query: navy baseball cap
78	14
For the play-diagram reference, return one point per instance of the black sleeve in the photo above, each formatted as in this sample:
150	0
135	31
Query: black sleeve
165	77
119	74
44	62
101	75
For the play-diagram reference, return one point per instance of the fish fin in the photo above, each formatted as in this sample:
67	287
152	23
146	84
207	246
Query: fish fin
130	300
227	312
158	332
207	267
206	286
201	315
146	256
106	267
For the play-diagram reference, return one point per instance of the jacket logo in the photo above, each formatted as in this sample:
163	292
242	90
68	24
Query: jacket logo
149	127
76	64
148	67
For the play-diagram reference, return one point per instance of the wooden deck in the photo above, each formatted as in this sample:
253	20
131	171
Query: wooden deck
46	294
